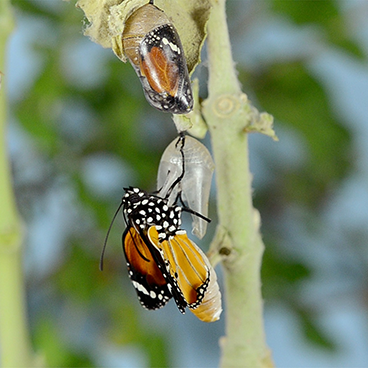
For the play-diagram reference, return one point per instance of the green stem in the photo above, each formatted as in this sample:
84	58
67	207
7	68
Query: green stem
227	112
14	339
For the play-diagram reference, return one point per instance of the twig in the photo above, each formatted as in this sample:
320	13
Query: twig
227	112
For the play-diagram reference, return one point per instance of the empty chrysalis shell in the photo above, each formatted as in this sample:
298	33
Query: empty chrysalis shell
153	47
196	183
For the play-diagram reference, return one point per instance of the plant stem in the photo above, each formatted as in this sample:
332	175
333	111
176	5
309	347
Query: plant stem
227	112
14	339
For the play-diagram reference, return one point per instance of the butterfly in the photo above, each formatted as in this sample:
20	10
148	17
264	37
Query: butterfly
163	263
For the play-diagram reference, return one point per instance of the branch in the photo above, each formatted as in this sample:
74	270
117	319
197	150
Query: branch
14	339
229	114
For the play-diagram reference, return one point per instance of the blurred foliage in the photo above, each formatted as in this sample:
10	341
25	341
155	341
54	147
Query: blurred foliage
117	124
298	101
283	276
54	351
324	14
302	12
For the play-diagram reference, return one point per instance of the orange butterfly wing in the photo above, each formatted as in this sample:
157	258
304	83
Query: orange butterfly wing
147	278
191	272
162	74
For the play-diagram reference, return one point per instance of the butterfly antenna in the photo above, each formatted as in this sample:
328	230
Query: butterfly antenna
107	236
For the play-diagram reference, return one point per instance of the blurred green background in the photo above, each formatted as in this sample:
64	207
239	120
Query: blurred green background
80	130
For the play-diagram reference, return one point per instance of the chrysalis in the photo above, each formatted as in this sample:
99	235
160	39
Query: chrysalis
153	47
196	183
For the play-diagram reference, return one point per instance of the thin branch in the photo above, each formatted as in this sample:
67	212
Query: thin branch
228	113
14	339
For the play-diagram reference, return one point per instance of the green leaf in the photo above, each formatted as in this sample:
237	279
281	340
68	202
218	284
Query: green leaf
314	333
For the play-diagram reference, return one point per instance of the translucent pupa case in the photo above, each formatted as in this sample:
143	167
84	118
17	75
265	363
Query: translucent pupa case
195	185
